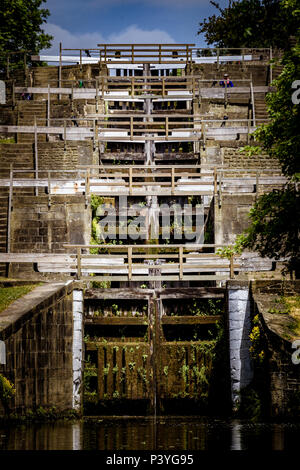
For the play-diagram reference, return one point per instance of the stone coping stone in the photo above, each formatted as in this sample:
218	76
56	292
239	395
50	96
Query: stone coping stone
276	323
276	286
30	304
238	284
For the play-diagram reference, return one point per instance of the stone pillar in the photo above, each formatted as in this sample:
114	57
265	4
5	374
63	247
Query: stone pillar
77	348
2	353
239	325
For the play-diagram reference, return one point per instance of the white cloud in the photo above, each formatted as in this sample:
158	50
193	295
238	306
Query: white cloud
67	4
132	34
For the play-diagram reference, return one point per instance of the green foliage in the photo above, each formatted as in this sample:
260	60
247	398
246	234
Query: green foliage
201	375
281	137
21	29
250	405
42	414
251	23
280	306
115	310
7	390
250	150
211	307
96	201
256	349
274	229
8	140
236	249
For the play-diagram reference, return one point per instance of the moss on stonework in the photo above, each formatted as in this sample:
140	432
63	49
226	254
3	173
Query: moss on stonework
42	414
288	305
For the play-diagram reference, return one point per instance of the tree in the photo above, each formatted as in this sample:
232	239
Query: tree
20	29
275	218
250	23
274	229
281	137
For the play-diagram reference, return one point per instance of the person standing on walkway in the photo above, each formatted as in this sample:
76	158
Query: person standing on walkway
226	82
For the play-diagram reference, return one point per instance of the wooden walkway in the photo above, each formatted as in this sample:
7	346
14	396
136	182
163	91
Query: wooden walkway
187	262
134	131
138	91
143	180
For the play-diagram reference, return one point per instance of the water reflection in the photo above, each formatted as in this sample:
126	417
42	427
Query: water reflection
236	436
188	433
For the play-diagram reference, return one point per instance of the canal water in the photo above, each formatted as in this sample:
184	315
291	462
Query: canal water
167	433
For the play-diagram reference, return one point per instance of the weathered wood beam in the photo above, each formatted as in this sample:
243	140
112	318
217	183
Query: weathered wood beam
190	319
120	293
116	321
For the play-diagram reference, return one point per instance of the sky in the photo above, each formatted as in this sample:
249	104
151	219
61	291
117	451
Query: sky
86	23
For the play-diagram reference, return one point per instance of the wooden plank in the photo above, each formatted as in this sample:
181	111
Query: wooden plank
192	292
34	257
109	356
119	375
130	264
180	263
95	345
100	376
157	278
116	320
119	293
190	319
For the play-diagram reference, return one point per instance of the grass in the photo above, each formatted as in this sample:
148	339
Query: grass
10	294
293	304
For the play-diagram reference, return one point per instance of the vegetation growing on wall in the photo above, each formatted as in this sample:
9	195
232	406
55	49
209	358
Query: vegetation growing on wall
7	392
254	397
256	349
288	306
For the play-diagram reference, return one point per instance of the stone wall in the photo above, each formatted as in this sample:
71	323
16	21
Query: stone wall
51	156
37	330
233	158
259	72
37	228
231	218
217	110
282	374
